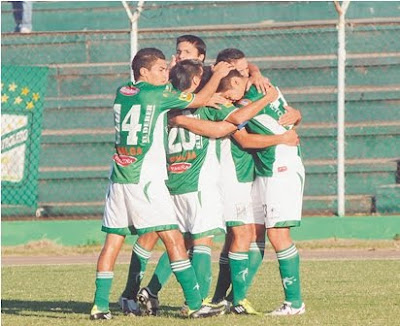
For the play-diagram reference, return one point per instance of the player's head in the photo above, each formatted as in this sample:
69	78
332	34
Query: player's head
190	47
149	65
236	58
233	86
186	75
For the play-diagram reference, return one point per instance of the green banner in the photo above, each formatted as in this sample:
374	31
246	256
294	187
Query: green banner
22	95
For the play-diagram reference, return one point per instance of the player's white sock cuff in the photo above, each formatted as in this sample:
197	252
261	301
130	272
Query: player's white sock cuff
141	252
180	265
104	274
202	250
257	246
238	256
287	253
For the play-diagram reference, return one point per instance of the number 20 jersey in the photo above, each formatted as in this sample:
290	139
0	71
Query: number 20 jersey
139	114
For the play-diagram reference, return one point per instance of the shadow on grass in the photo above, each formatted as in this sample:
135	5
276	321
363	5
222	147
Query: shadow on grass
19	307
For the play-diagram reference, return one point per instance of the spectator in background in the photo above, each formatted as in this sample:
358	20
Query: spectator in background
22	11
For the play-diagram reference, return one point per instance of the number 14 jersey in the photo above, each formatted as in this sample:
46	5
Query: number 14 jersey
139	114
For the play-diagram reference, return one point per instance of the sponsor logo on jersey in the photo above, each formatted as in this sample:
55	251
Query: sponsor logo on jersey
129	90
179	167
244	102
282	168
124	160
186	97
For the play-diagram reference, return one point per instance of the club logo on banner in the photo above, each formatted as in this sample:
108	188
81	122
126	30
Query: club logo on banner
22	93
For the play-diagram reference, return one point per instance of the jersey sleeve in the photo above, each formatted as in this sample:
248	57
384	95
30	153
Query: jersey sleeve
175	99
217	114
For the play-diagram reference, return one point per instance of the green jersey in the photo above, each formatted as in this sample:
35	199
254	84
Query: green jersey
236	161
192	162
139	114
274	158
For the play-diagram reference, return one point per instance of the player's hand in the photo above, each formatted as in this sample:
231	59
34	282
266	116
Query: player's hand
172	63
290	138
259	81
291	117
222	69
271	94
173	118
216	100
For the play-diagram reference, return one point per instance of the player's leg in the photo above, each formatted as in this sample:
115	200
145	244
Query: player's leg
289	268
117	223
283	205
105	275
201	262
141	253
185	274
256	251
224	273
239	264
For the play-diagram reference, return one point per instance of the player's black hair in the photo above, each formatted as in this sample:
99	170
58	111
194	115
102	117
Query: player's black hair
229	55
182	73
145	58
197	42
207	73
225	83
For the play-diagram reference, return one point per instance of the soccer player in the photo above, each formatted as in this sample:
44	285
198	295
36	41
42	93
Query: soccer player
193	47
137	199
194	177
243	185
278	191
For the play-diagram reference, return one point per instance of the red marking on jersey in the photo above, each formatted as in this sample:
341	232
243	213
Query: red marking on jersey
129	90
179	167
124	160
282	168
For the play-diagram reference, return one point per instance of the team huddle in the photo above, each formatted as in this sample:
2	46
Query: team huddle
201	151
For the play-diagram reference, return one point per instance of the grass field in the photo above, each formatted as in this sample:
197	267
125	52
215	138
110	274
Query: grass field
336	293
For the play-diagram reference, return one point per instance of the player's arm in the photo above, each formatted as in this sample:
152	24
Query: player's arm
257	141
291	117
220	71
249	111
212	129
257	79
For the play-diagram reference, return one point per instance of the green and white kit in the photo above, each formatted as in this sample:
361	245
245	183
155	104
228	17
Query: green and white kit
193	176
137	199
278	187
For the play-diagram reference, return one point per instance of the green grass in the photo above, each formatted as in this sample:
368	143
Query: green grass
335	292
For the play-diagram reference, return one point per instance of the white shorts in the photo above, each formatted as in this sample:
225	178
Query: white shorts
278	200
199	213
138	208
237	203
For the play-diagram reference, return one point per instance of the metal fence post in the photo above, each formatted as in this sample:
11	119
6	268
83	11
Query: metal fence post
133	18
341	108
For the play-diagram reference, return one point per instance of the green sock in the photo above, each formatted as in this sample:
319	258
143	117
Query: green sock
103	287
161	274
239	262
289	267
137	267
224	278
186	277
201	262
256	255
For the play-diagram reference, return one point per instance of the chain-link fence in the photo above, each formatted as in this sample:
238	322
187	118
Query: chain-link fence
85	68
